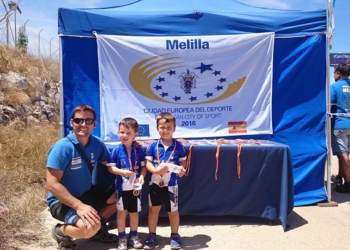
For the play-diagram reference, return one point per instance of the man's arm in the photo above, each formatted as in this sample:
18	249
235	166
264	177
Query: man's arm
53	177
87	213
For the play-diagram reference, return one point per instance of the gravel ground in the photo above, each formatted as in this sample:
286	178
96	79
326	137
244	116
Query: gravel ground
310	227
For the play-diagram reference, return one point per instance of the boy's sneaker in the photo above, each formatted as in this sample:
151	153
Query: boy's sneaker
135	242
122	243
175	241
64	242
150	242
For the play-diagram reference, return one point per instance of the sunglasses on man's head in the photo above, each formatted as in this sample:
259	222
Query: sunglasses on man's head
88	121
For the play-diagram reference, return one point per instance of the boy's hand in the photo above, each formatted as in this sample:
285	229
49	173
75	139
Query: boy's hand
127	173
140	180
182	172
162	171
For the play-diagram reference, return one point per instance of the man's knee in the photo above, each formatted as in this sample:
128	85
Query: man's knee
111	199
86	232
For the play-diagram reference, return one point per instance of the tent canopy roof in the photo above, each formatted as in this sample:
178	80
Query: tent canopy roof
183	17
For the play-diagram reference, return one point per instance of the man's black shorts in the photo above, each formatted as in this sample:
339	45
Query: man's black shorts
95	197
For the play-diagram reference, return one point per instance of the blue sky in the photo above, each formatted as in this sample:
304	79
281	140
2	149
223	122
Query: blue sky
42	15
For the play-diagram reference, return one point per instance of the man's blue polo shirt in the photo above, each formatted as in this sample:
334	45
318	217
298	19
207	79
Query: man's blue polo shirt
76	174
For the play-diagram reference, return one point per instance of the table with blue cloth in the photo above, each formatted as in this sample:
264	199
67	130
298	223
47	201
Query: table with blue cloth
235	177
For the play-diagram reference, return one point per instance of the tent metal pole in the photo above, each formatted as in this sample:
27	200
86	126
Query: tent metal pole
61	90
328	127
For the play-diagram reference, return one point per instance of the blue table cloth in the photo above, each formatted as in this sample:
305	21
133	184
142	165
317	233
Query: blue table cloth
264	188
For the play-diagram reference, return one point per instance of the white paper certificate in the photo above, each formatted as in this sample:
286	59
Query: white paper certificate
172	167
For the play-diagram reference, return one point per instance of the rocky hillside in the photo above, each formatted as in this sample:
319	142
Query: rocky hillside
29	89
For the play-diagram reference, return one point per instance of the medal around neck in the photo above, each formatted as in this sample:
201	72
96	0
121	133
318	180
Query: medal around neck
161	183
136	192
137	187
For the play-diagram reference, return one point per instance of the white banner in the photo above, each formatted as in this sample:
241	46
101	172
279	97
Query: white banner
214	85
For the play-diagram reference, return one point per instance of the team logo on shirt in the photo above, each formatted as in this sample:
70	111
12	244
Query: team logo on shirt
76	163
92	159
123	163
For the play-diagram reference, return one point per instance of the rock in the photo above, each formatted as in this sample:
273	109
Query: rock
16	79
43	104
4	119
9	111
2	96
32	120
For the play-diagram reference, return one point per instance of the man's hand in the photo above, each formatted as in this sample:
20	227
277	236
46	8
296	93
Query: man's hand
88	215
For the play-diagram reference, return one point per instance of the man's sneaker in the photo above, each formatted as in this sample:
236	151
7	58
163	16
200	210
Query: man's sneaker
64	242
104	236
150	242
342	189
338	180
122	243
135	242
175	241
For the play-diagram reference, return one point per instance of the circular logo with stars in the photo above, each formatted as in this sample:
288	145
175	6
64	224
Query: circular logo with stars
196	83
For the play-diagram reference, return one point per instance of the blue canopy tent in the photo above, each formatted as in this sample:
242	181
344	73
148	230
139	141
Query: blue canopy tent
299	91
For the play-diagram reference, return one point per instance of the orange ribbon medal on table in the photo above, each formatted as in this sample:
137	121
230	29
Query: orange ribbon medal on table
219	142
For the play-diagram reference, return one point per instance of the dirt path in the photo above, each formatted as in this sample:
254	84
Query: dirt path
310	227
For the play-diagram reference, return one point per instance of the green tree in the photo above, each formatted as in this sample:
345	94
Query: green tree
22	40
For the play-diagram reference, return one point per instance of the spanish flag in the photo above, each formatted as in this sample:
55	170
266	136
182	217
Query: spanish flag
237	127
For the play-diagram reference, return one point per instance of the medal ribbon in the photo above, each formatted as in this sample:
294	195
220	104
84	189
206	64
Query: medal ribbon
188	161
239	149
158	154
130	162
219	142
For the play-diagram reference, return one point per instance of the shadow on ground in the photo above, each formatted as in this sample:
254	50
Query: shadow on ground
338	197
295	220
234	221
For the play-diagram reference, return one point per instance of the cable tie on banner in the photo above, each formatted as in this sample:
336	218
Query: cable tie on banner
94	33
331	115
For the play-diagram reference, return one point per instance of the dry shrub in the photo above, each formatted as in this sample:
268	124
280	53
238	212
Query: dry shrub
22	166
28	65
23	149
14	97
